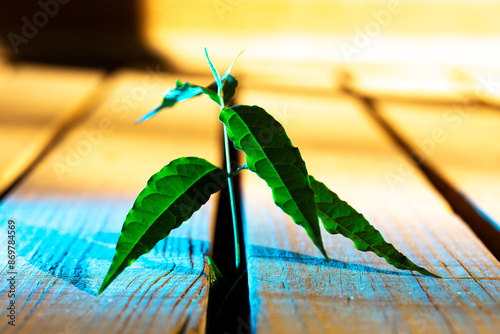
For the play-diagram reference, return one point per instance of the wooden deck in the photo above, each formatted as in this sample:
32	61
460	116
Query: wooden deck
72	163
70	207
292	289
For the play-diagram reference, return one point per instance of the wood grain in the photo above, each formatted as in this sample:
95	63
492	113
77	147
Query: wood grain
37	103
70	209
292	288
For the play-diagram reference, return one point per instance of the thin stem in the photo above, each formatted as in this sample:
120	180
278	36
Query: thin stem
238	170
231	198
220	93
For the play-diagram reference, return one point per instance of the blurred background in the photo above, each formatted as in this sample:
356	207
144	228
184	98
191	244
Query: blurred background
437	52
308	36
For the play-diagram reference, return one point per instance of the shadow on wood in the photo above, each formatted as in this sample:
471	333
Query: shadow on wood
73	257
282	255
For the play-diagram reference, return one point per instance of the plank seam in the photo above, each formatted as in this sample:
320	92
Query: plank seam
80	114
222	305
470	214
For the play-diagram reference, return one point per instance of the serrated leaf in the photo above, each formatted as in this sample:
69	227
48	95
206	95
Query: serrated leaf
270	154
186	91
338	217
171	197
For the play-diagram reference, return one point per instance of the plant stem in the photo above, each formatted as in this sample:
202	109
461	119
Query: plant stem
238	170
237	240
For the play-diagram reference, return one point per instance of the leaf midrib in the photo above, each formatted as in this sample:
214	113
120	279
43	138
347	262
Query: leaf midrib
374	250
176	198
273	166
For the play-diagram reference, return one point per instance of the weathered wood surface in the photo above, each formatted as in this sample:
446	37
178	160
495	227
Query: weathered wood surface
70	209
410	82
462	141
460	138
436	117
36	104
292	288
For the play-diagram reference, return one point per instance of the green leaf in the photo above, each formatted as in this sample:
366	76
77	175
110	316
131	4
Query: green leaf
338	217
225	75
270	154
171	197
229	89
185	91
216	75
215	276
220	82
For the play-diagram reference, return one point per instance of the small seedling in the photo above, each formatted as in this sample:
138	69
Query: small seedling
180	188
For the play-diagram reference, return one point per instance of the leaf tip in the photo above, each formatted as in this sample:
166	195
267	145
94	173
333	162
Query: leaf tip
426	272
139	120
215	275
110	276
102	288
433	275
228	72
148	115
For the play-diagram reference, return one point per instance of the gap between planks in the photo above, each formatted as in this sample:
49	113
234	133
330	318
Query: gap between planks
292	289
482	226
68	228
87	94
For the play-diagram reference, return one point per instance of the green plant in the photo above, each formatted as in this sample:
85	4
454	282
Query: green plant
179	189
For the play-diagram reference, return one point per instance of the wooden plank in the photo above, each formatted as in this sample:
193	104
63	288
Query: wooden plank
293	290
409	82
325	32
37	102
70	210
483	82
474	94
462	141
